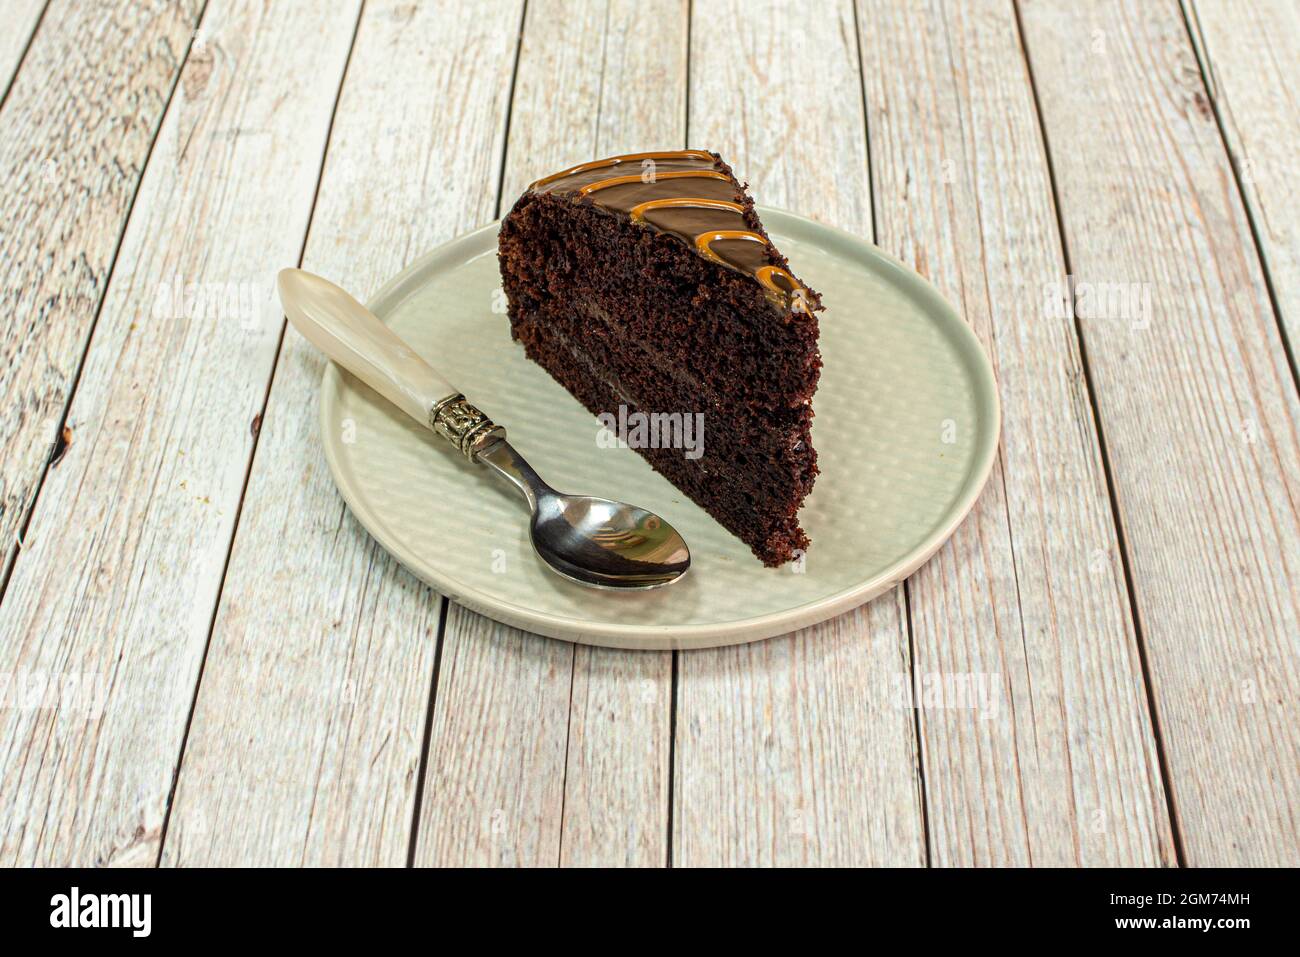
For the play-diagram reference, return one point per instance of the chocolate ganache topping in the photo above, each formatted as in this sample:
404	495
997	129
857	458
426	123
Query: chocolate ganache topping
683	193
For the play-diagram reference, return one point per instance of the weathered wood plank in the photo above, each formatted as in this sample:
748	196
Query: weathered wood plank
616	772
598	76
531	734
21	18
494	792
307	735
1057	766
1251	53
69	184
794	750
127	544
1198	409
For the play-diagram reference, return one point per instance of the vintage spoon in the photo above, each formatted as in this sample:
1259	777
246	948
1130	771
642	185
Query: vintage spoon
592	541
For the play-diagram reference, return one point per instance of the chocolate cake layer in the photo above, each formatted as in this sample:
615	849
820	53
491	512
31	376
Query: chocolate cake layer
634	361
756	512
647	282
766	456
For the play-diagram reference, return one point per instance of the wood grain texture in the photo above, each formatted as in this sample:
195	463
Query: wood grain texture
799	751
1198	409
315	654
127	545
1057	766
494	795
20	20
542	752
1251	54
777	741
68	185
309	725
603	76
616	773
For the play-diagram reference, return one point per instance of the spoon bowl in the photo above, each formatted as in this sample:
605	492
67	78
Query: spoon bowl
607	544
593	541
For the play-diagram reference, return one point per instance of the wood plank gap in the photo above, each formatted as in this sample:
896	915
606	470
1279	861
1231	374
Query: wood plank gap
1195	36
916	697
30	509
872	193
428	734
873	197
510	109
600	104
252	453
676	655
1020	606
672	753
1156	730
690	19
22	57
564	772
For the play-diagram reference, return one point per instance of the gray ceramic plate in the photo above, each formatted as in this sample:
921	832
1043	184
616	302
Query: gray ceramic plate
906	430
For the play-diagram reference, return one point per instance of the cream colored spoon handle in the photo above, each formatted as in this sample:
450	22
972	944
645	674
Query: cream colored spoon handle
353	336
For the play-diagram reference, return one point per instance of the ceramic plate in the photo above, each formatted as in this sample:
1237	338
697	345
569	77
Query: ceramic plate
906	430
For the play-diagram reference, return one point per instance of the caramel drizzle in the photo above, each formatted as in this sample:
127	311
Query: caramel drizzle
636	178
619	160
796	295
764	274
677	202
704	241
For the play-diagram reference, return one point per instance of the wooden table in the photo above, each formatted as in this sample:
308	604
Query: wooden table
205	660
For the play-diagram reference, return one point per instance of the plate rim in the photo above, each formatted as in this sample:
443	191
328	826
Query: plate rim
691	636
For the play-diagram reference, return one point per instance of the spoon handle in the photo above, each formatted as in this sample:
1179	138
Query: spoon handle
352	335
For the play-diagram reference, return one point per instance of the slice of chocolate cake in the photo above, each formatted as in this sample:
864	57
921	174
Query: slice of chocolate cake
646	286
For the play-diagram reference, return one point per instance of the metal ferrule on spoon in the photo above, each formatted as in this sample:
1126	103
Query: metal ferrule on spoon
592	541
